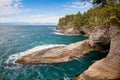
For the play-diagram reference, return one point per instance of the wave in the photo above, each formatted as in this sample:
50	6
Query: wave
58	33
12	58
54	29
67	78
51	27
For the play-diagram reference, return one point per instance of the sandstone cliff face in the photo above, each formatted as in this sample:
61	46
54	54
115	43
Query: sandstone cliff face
109	67
100	35
87	30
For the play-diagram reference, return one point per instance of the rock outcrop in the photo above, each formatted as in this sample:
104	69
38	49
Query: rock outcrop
100	35
71	31
66	30
107	68
59	54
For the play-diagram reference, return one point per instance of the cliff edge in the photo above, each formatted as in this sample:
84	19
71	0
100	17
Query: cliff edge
108	67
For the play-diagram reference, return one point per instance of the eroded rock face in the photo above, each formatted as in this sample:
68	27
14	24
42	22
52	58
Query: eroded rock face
87	30
70	30
60	27
100	35
109	67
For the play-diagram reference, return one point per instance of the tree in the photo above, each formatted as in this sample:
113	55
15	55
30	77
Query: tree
110	11
78	20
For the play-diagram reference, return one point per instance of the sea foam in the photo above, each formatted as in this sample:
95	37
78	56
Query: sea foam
12	58
58	33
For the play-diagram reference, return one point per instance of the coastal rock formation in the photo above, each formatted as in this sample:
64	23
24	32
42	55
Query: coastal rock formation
100	38
59	54
107	68
97	35
100	35
72	31
65	53
87	30
68	30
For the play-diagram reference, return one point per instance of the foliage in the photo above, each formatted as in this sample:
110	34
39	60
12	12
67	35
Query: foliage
78	20
0	78
94	16
66	20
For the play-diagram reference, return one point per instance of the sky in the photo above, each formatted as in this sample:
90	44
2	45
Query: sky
39	11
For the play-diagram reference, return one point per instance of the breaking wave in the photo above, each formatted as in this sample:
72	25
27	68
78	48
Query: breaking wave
12	58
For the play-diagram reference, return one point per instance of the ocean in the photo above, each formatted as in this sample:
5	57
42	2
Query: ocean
18	40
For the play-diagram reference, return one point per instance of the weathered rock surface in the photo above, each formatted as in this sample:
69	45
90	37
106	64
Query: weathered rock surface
69	30
100	35
87	30
60	27
59	54
109	67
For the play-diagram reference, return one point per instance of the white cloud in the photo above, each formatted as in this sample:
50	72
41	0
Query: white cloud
31	19
77	5
8	7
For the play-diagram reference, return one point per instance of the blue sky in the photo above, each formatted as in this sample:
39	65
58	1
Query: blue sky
39	11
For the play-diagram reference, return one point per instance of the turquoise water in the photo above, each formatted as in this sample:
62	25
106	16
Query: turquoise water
19	40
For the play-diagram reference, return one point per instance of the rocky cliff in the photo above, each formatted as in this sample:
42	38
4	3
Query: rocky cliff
68	30
106	68
72	31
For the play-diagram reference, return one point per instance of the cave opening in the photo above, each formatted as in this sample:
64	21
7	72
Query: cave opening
106	48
